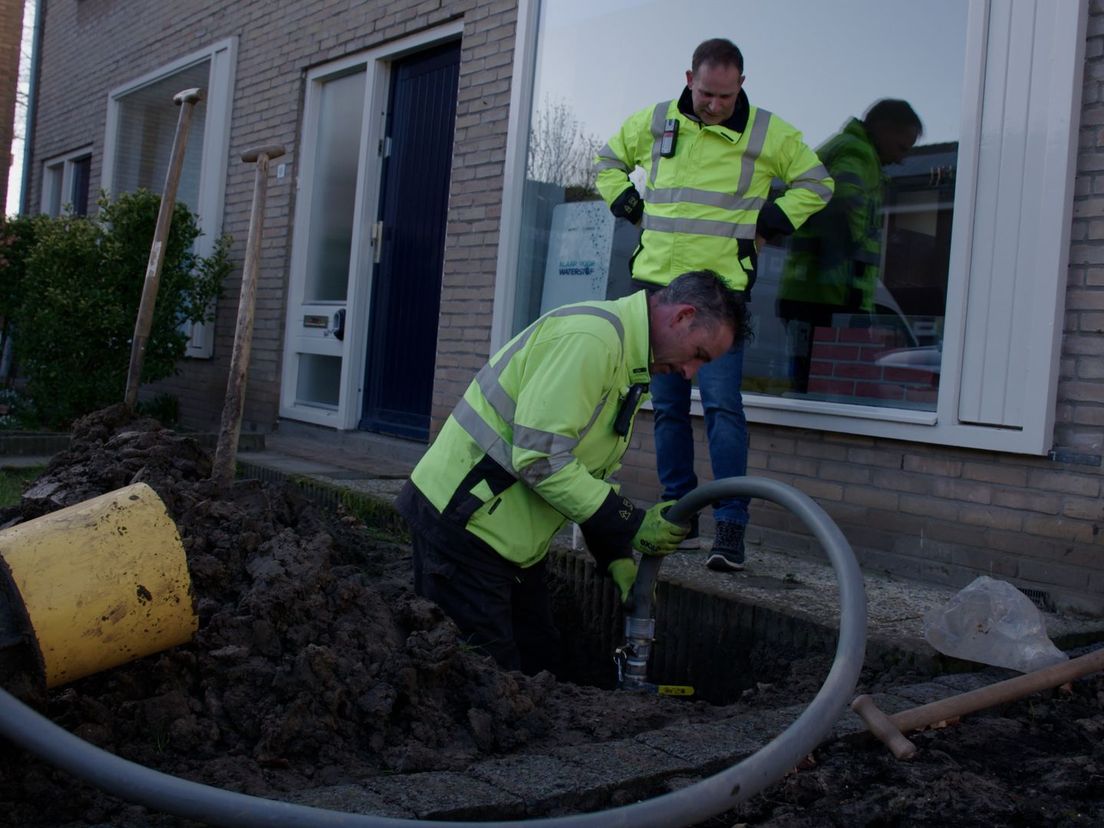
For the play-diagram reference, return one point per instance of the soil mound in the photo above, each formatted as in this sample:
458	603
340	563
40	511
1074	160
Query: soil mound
314	663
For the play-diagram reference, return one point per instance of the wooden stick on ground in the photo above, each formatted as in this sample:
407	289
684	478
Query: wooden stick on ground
891	730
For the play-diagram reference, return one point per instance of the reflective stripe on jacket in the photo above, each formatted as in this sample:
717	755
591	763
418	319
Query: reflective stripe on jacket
531	443
703	205
834	259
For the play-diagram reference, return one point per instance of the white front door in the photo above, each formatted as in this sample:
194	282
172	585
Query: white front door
333	243
330	253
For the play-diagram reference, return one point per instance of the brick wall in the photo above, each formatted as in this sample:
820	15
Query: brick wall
946	515
475	201
92	46
849	363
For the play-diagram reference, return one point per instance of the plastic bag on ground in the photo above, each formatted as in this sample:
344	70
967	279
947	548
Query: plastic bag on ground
992	622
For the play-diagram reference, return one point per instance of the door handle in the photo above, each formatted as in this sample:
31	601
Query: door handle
339	325
377	241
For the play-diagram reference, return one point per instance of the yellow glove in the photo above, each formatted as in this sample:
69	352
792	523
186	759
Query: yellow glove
657	535
623	572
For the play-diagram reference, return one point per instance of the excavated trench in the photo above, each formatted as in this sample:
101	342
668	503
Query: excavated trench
714	642
717	645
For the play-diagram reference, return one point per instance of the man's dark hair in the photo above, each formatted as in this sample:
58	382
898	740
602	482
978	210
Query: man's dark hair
715	301
718	52
893	112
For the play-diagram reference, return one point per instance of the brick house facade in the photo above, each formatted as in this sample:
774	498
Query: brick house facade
925	511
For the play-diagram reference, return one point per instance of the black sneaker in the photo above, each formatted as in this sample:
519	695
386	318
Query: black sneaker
727	554
691	542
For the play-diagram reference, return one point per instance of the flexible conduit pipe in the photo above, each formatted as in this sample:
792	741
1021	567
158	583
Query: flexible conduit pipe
698	802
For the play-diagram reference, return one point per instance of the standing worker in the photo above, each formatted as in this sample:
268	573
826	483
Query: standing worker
709	158
834	260
532	444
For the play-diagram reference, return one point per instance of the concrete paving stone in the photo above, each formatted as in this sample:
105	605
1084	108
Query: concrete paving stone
845	725
446	795
344	477
890	703
545	783
384	488
286	464
708	747
964	682
849	724
626	768
925	693
349	799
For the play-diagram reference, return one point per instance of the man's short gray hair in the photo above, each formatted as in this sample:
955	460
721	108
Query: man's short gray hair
715	301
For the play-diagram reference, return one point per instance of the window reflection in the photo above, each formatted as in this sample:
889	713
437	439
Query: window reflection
884	350
147	123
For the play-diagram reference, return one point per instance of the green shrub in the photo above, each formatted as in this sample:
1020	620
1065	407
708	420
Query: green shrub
16	412
17	235
74	331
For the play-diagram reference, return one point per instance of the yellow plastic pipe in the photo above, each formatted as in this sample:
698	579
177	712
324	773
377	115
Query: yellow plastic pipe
103	582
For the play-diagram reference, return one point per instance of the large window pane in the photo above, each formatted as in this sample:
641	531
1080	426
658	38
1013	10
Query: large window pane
875	341
147	123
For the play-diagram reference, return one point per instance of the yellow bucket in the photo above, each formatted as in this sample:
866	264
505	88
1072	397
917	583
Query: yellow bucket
102	582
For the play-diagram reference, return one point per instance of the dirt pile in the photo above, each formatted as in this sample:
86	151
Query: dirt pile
314	663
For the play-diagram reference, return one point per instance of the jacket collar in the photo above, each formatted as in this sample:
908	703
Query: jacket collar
737	121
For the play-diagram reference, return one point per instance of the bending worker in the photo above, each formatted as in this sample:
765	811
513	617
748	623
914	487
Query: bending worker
532	444
709	158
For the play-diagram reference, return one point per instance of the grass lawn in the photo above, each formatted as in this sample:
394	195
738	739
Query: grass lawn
12	482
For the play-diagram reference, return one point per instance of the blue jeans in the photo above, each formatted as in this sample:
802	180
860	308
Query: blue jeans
725	428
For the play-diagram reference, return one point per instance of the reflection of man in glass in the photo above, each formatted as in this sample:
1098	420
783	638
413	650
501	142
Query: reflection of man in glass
709	158
834	259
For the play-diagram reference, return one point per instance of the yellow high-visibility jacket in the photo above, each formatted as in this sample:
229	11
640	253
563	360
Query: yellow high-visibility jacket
531	443
835	258
704	205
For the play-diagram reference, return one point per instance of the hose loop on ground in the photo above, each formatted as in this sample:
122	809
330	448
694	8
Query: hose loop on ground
695	803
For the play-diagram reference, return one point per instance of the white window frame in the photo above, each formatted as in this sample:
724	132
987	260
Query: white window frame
57	180
1023	351
218	99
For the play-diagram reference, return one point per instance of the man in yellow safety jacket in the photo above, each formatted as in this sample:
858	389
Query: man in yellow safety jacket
532	444
834	261
709	159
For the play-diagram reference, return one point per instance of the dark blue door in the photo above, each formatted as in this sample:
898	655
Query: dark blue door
406	287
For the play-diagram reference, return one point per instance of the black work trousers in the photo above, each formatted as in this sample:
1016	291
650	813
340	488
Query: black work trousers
500	608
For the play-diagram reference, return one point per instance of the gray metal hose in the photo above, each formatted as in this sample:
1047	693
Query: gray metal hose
684	807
